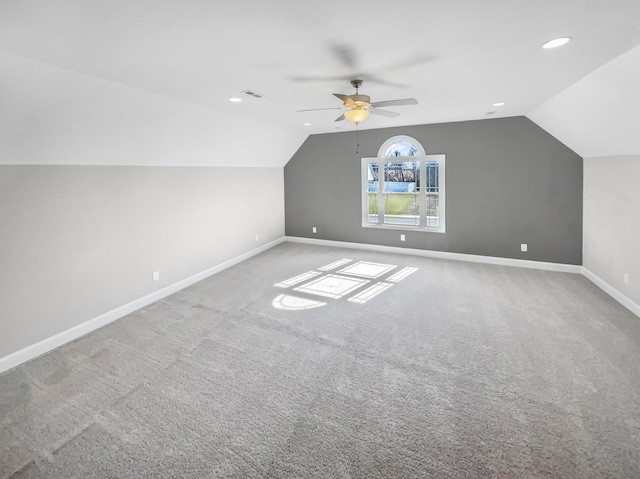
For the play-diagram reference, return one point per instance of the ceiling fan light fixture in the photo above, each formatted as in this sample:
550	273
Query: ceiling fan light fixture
356	115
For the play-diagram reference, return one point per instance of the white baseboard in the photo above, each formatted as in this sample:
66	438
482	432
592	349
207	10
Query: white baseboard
564	268
472	258
613	292
46	345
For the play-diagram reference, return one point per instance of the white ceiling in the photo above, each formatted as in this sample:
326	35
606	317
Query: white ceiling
600	114
457	57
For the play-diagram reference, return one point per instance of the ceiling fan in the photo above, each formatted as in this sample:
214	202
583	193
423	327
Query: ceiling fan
359	106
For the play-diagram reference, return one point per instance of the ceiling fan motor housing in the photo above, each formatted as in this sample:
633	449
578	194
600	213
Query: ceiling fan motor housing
357	107
361	99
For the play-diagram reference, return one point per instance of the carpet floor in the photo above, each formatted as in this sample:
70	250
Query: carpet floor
309	361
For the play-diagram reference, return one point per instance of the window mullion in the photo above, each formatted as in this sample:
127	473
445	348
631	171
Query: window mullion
380	196
422	198
441	196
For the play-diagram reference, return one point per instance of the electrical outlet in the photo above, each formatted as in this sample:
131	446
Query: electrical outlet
315	230
257	237
625	278
401	237
523	247
156	275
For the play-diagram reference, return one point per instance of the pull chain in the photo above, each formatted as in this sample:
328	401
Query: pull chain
357	140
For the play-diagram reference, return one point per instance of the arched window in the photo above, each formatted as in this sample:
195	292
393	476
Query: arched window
400	146
403	187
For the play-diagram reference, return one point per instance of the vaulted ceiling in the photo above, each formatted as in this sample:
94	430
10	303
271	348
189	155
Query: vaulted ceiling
154	66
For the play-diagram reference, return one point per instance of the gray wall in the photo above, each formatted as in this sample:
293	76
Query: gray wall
78	241
507	182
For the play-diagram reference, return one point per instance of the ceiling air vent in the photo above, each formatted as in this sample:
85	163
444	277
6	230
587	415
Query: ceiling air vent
253	93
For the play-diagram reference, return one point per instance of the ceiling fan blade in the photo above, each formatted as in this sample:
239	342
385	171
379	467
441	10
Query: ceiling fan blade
414	61
346	99
345	54
319	109
400	102
372	78
387	113
320	78
340	118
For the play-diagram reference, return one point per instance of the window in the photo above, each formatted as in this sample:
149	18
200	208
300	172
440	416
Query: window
403	188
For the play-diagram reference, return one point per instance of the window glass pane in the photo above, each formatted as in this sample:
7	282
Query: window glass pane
433	219
432	177
401	202
405	188
372	190
433	193
401	148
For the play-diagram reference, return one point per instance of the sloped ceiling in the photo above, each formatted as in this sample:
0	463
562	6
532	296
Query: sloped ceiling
148	81
56	116
598	115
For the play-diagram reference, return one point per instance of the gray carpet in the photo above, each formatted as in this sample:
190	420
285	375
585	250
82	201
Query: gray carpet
452	370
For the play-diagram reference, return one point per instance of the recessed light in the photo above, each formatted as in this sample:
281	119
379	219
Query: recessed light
556	42
235	99
500	103
307	124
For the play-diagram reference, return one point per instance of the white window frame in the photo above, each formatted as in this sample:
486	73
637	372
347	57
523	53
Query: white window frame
423	158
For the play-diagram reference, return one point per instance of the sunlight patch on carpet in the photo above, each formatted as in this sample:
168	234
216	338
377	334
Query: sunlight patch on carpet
332	286
368	270
402	274
295	303
370	293
354	282
297	279
335	264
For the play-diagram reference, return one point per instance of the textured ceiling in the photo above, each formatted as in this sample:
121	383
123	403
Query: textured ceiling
457	58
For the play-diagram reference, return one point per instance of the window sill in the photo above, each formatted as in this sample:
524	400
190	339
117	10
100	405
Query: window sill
419	229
